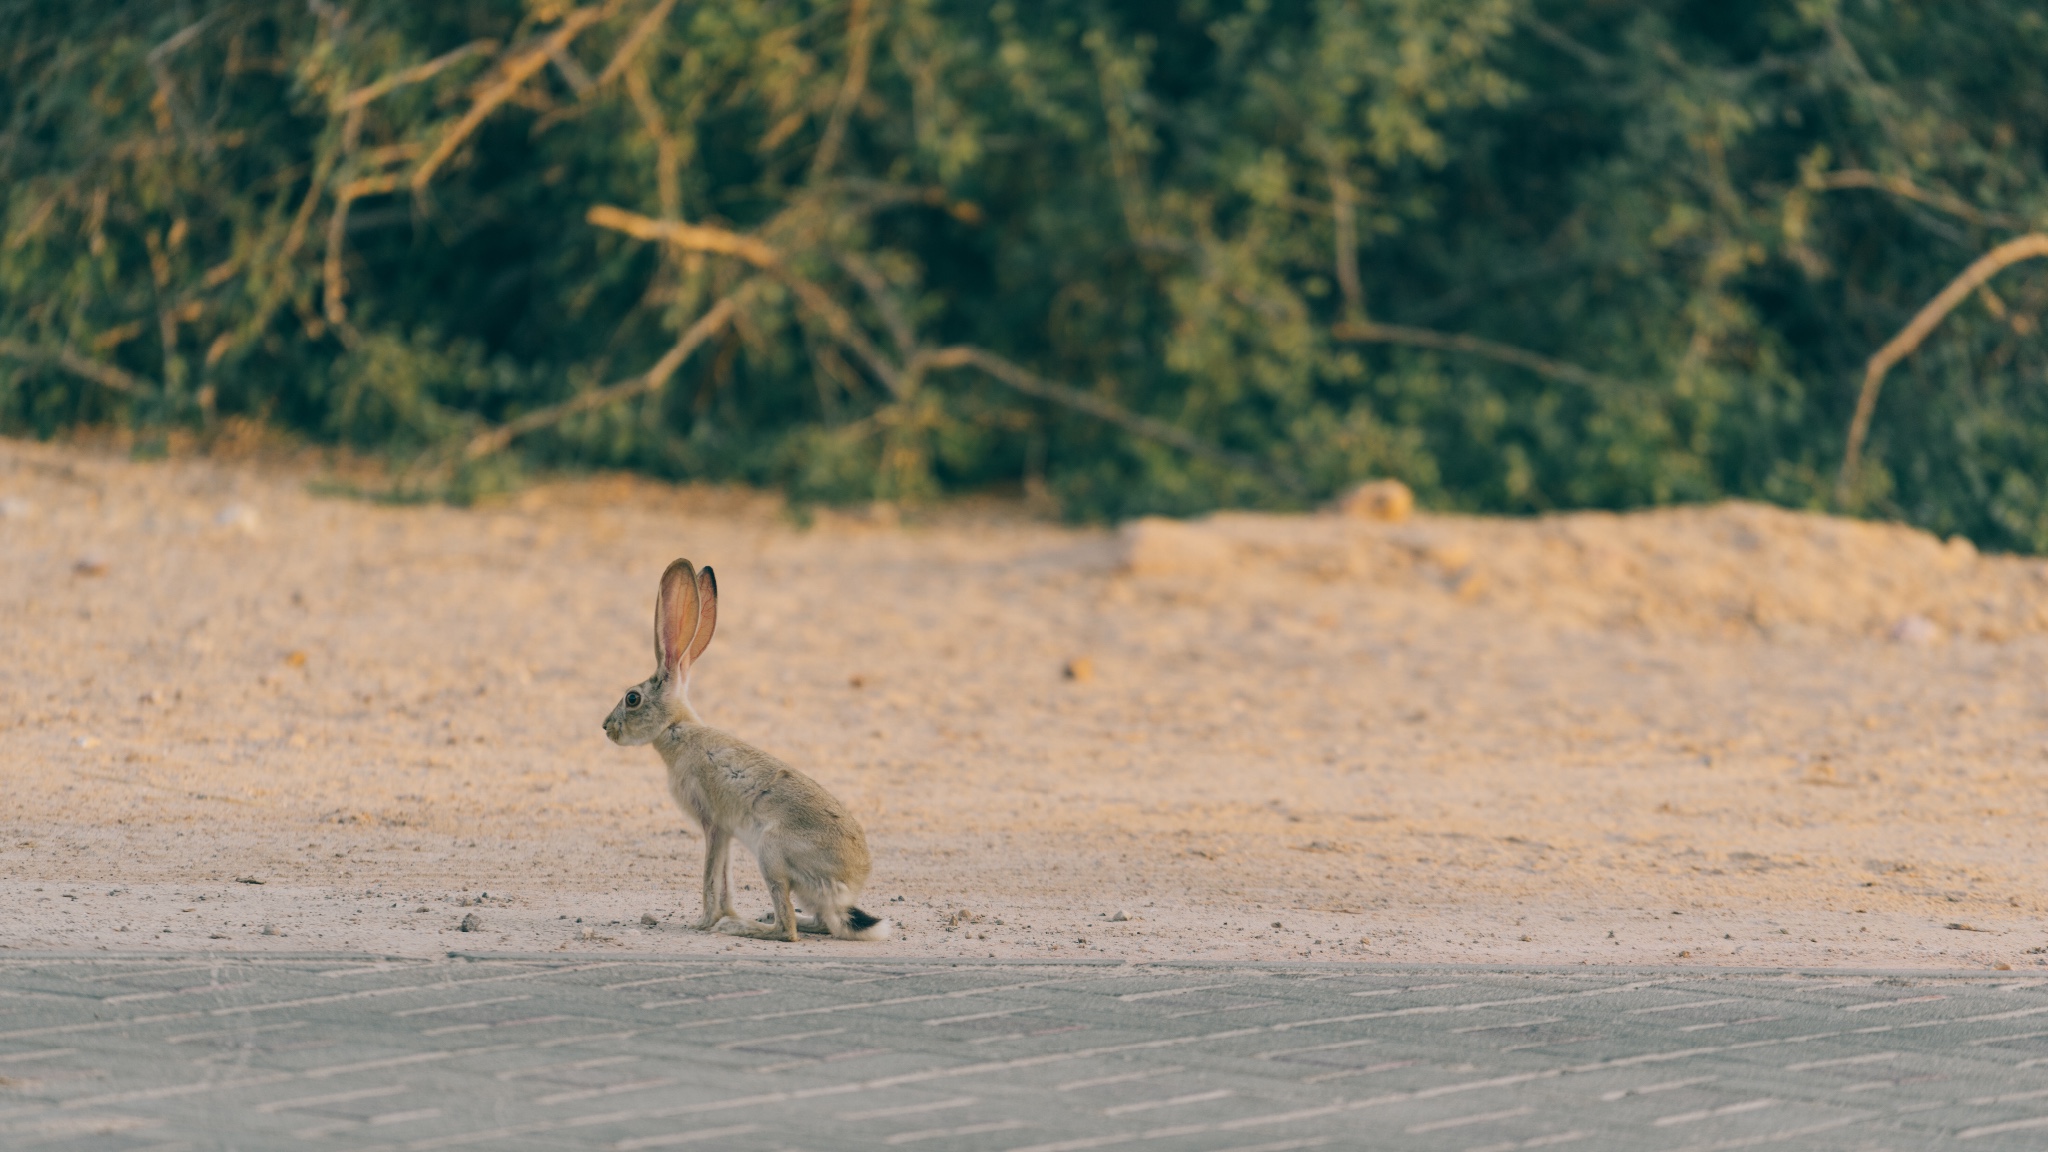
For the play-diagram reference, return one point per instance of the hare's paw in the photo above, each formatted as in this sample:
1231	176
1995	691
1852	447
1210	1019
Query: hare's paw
730	925
808	924
761	930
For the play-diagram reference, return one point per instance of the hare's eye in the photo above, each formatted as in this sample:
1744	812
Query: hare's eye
632	699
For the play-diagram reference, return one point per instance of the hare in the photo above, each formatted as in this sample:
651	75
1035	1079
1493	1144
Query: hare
810	848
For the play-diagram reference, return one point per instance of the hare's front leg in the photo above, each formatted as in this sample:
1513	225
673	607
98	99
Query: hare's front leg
717	879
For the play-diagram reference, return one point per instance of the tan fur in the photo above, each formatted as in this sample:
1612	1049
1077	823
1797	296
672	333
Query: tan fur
810	848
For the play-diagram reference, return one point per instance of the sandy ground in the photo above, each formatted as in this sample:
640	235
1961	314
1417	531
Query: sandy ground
235	714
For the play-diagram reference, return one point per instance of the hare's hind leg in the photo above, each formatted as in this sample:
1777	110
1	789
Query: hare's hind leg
783	927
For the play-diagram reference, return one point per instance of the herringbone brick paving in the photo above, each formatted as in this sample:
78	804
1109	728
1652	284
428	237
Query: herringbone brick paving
337	1052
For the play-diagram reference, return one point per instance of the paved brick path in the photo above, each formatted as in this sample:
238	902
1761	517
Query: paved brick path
249	1052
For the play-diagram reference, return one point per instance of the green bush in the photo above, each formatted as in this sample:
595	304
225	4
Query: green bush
1523	255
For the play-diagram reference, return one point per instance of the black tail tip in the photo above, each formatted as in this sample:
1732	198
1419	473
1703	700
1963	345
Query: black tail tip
860	921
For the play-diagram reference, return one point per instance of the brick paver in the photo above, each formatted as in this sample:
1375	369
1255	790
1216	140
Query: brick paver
249	1052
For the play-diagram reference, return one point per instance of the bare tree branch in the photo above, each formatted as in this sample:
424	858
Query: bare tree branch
653	380
876	286
334	283
701	238
514	71
694	237
901	382
571	70
630	46
105	375
1371	332
860	36
1905	189
667	155
1910	337
1344	212
414	74
1108	411
1564	41
168	88
295	235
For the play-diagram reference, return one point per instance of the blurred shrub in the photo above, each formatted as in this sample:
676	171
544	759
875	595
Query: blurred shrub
1678	228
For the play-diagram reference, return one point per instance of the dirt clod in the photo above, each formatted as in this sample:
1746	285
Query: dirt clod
1389	501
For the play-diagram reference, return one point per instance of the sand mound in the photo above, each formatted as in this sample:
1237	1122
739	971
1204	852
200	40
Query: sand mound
1725	568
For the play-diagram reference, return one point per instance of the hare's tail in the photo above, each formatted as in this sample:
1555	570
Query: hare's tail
862	926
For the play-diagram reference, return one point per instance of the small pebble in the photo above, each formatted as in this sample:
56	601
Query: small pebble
647	919
89	566
1120	916
239	517
1916	630
470	923
271	930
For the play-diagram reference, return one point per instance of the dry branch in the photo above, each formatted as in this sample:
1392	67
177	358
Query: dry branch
515	71
1344	214
1905	189
630	47
860	38
295	235
1909	338
667	155
1370	332
702	238
334	284
572	71
872	282
414	74
902	381
105	375
1567	43
694	237
167	88
1108	411
652	380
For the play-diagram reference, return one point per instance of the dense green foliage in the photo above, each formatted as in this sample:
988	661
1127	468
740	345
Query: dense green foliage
1199	216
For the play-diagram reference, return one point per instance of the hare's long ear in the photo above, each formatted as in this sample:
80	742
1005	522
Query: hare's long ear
707	613
675	616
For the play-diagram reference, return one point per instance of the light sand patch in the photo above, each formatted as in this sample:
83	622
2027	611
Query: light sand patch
1709	731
